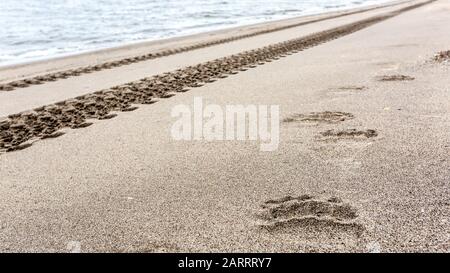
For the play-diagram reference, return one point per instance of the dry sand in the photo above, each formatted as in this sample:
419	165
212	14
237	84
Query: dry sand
363	162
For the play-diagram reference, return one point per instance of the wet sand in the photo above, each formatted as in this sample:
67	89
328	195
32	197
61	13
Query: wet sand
362	164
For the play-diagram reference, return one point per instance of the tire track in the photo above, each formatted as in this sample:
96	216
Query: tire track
18	131
51	77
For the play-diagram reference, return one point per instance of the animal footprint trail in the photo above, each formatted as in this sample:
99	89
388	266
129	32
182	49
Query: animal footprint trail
307	214
320	117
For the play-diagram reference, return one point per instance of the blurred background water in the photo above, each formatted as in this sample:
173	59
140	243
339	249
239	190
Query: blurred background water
37	29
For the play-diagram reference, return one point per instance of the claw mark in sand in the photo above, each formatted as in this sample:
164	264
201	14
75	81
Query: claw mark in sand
352	88
349	133
320	117
395	78
308	214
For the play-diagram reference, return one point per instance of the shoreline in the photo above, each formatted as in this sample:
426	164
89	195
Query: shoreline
187	35
19	71
145	42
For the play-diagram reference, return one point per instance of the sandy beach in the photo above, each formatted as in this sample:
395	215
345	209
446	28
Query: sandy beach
88	162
